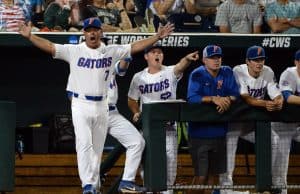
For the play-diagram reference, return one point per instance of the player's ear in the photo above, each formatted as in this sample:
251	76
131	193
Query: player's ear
145	56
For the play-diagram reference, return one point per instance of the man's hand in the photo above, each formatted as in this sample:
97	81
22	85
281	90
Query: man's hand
136	117
278	102
166	30
223	103
25	29
192	56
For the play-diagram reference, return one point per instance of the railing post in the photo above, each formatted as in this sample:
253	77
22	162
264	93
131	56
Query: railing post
7	148
263	156
155	162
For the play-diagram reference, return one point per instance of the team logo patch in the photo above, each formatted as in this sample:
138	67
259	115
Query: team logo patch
216	48
285	83
219	84
259	51
91	20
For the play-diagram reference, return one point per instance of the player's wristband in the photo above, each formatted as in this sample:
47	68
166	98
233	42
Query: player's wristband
286	94
128	59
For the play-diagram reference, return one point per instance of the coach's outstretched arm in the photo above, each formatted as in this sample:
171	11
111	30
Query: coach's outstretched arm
162	32
42	43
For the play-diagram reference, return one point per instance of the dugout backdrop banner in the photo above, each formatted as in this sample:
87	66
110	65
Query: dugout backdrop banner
178	40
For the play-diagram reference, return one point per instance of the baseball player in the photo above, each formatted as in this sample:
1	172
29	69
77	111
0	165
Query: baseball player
121	129
91	64
290	87
256	80
158	82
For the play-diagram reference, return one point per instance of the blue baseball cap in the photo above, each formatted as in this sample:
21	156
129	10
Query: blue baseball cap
212	50
255	52
297	55
93	22
154	46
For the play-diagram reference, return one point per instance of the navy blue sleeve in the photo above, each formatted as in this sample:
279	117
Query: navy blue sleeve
194	87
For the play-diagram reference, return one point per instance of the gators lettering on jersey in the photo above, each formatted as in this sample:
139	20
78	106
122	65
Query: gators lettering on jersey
154	87
90	75
256	87
256	93
94	63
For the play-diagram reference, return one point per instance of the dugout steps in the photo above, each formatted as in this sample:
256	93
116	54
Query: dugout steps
57	173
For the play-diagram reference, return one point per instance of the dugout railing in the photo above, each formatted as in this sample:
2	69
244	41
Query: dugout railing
155	114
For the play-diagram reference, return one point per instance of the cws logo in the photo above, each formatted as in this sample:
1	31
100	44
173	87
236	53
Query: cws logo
276	42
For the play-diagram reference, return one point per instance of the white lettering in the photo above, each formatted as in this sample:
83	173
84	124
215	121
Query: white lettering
287	42
272	42
279	42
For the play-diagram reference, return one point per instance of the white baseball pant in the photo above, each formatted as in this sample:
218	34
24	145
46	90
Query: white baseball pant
90	120
121	129
244	130
287	132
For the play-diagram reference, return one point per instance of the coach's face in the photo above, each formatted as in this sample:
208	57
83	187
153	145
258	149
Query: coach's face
93	37
255	66
213	63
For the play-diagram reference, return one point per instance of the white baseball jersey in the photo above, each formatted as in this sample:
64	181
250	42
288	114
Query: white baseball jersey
256	87
290	80
154	87
90	75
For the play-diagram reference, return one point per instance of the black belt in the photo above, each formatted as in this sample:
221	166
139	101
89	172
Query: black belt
111	108
86	97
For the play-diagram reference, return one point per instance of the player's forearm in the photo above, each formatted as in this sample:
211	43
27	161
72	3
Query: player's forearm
292	99
133	106
182	65
42	43
255	102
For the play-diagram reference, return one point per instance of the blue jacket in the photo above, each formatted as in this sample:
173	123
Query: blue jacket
201	84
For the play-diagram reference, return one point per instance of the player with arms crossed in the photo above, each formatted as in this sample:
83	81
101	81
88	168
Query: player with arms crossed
255	80
155	83
290	87
91	64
